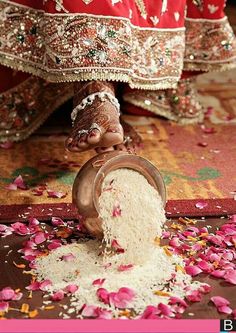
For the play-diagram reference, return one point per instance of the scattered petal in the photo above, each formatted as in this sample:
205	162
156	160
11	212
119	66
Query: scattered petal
4	306
56	194
116	210
68	257
193	270
230	276
58	295
123	268
98	282
39	237
219	301
201	204
71	288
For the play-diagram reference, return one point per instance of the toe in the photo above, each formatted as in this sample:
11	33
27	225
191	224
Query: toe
94	136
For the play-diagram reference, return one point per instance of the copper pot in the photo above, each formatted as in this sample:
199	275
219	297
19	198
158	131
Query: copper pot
88	183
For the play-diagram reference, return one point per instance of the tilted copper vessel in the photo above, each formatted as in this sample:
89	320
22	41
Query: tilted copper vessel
88	183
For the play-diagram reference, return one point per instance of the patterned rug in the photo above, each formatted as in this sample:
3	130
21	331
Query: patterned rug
197	162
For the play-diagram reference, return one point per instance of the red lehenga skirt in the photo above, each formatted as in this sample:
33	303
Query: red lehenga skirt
142	43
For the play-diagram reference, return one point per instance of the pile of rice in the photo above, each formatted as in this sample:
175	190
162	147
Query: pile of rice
128	256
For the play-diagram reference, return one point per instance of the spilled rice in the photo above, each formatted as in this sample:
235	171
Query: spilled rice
128	270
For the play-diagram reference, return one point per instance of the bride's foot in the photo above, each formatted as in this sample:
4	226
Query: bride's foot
132	140
96	117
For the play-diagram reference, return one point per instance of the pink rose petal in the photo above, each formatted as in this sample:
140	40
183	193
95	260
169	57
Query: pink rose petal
4	306
71	288
150	312
115	245
230	276
54	244
218	273
98	282
224	309
68	257
177	300
58	296
11	187
103	295
39	237
44	284
194	296
233	218
33	286
56	194
20	228
201	205
219	301
90	311
123	268
57	221
6	294
116	210
165	310
193	270
122	298
19	182
208	130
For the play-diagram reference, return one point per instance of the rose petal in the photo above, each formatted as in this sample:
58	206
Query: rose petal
208	130
57	221
44	284
116	210
122	298
230	276
193	270
33	286
68	257
123	268
71	288
90	311
103	295
4	306
194	296
224	309
20	228
165	310
11	187
150	312
219	301
56	194
54	244
19	182
177	300
233	218
205	288
58	296
218	273
98	282
201	205
204	265
39	237
115	245
6	294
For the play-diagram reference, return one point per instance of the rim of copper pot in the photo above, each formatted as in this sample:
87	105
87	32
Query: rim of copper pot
133	162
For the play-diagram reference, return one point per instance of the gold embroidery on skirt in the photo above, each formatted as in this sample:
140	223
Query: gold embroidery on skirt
142	8
62	48
210	45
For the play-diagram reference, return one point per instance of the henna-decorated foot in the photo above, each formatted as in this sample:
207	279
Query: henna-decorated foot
132	140
95	116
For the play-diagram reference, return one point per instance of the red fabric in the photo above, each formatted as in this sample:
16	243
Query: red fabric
174	208
212	9
122	9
